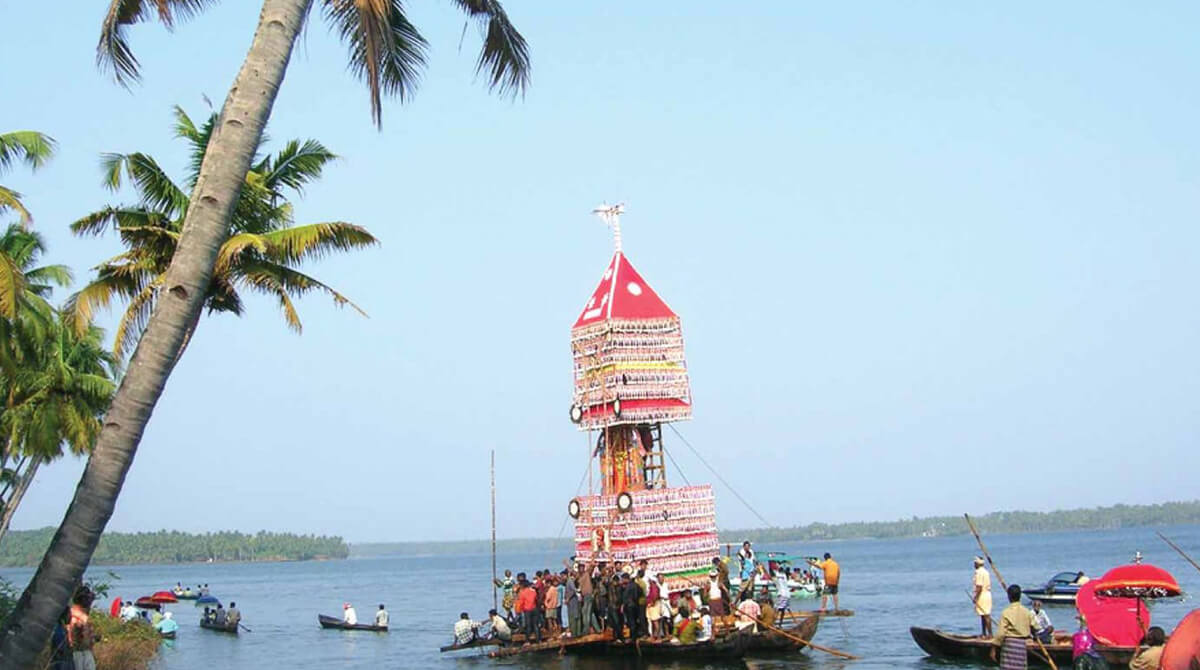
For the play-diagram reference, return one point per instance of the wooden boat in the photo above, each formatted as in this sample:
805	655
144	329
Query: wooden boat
219	627
771	641
335	622
167	636
941	644
733	645
186	594
473	644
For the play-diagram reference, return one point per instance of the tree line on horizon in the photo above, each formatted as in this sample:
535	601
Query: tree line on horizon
1095	518
25	547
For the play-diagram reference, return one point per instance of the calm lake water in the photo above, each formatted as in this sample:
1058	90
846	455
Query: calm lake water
891	584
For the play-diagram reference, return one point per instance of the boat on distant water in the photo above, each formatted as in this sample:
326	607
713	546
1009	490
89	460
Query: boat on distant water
1061	589
335	622
219	627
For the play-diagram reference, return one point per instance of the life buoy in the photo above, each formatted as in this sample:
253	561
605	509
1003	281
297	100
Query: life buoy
573	508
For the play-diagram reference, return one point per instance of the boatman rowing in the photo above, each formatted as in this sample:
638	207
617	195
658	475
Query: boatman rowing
982	597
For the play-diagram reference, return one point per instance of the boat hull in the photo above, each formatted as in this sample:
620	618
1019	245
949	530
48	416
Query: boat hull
220	628
940	644
337	624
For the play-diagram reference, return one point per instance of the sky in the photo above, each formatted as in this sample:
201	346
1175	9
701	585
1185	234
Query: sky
930	258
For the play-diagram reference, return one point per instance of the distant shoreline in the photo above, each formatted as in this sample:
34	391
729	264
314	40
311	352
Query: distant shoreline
997	523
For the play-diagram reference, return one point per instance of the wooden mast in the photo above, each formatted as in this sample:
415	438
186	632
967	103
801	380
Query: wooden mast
494	529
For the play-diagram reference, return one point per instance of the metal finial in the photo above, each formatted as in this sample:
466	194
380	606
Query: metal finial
611	215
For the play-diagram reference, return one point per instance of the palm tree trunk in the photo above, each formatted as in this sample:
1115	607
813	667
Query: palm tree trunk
238	131
18	492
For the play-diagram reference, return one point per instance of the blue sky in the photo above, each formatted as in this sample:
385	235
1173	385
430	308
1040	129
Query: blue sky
930	258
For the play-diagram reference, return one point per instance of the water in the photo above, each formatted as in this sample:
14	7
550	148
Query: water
891	585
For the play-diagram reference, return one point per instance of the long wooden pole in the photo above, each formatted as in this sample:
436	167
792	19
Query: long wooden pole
797	638
494	604
986	555
1181	552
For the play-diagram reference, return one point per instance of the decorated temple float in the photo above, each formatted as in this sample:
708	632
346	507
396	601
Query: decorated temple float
630	378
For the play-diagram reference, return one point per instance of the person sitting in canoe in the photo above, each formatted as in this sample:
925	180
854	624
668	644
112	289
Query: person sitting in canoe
220	616
233	616
1148	654
464	629
1042	627
381	617
706	626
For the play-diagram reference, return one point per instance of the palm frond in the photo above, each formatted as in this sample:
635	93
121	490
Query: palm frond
157	191
284	282
295	165
29	146
59	275
10	199
385	48
315	241
133	320
113	50
12	284
236	246
119	281
504	56
117	218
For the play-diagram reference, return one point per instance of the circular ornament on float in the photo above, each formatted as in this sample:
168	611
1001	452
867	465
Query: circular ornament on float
573	508
576	414
617	408
624	502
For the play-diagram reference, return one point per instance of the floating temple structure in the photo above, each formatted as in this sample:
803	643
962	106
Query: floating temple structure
631	378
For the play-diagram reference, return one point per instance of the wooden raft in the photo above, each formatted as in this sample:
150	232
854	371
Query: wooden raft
560	644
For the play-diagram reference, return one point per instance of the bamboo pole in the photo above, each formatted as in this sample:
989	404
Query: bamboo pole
1181	552
986	555
494	603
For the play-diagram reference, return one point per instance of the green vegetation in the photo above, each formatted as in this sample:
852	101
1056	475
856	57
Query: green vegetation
25	547
1117	516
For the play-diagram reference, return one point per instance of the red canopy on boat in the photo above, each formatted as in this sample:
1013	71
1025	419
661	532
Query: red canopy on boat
1117	622
1183	647
1137	580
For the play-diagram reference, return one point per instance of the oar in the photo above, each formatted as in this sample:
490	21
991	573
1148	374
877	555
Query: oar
1181	552
799	639
243	627
975	532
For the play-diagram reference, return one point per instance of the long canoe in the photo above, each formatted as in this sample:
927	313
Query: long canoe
336	623
941	644
219	627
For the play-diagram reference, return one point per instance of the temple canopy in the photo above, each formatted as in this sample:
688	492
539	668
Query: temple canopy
628	350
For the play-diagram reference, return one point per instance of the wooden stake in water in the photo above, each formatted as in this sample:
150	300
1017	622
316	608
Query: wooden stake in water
975	532
494	530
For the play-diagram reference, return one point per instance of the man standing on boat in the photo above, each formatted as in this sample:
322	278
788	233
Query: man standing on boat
1015	629
746	556
982	597
833	574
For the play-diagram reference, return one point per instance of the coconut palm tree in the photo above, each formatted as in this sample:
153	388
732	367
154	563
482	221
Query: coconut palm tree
54	385
386	51
259	253
27	146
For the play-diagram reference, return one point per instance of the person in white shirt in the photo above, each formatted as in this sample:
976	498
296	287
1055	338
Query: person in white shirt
706	626
381	617
1042	627
500	629
748	613
129	612
349	616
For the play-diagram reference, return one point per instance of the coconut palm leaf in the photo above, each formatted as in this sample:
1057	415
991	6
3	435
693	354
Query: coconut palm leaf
315	241
385	49
283	282
12	285
505	54
10	199
113	50
116	218
295	165
133	319
31	147
156	189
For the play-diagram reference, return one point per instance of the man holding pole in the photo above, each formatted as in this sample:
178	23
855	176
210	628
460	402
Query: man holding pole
982	597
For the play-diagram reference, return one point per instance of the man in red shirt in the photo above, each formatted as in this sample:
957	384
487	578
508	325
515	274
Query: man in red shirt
526	608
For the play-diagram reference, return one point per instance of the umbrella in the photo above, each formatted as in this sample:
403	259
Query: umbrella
164	597
1118	622
1183	647
146	603
207	601
1137	580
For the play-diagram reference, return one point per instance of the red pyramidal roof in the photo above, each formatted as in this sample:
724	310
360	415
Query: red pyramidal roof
623	295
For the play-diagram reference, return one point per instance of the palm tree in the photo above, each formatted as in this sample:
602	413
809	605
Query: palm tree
259	252
385	50
28	146
55	385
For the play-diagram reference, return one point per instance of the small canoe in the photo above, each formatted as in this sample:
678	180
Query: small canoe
167	636
768	640
220	628
186	595
941	644
334	622
473	644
